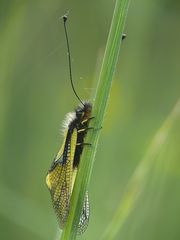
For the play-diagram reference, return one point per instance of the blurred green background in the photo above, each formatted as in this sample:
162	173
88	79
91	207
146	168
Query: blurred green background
35	95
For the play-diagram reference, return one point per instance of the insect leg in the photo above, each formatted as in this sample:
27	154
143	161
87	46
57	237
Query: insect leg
83	144
84	129
87	120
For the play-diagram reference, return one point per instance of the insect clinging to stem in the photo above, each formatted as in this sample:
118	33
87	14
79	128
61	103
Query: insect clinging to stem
62	173
61	176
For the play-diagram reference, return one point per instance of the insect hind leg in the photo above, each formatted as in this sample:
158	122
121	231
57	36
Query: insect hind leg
83	144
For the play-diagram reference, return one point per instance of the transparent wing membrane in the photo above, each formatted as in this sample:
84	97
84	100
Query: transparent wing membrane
84	219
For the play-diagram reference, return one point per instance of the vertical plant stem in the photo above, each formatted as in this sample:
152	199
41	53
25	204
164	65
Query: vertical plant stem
99	107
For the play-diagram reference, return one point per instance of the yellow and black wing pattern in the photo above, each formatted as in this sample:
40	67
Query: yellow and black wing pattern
62	173
59	179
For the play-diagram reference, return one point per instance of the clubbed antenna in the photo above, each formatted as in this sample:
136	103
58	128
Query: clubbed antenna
69	59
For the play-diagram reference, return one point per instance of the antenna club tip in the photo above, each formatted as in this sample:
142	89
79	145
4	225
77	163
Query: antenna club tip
64	18
123	36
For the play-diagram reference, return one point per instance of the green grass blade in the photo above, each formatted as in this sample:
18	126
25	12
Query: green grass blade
99	107
138	180
21	211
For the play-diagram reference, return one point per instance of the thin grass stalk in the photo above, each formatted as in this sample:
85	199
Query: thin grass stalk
99	107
